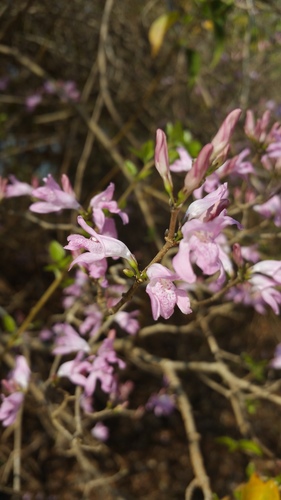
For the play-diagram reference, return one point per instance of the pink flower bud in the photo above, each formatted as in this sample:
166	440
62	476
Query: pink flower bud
162	160
199	169
237	255
221	140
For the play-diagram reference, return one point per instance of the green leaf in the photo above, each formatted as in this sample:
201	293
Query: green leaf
56	251
244	445
131	168
9	323
250	446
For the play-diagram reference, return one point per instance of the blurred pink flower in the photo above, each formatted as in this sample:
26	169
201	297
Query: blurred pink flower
10	407
18	188
101	368
14	386
276	361
32	101
100	432
68	340
183	163
75	370
271	208
54	198
127	321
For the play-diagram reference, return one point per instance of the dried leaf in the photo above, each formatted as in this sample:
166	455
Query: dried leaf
256	489
158	30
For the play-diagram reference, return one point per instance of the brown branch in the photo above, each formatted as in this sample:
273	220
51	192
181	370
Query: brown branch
190	428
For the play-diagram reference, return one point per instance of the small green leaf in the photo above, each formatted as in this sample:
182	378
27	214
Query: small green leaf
9	323
56	251
250	446
131	168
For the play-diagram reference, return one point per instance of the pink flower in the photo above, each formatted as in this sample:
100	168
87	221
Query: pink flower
127	321
100	432
54	198
161	159
97	247
17	188
201	246
68	340
75	370
271	208
103	201
260	290
10	407
210	206
32	101
101	368
237	166
164	295
14	385
21	373
184	163
92	321
270	268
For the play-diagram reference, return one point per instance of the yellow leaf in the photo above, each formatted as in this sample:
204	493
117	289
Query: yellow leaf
256	489
158	30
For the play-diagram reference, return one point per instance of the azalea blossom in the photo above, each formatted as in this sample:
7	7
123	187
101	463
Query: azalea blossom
101	368
201	246
14	387
9	408
237	166
271	208
97	247
258	130
103	201
127	321
92	321
183	163
210	206
260	288
68	340
164	295
54	198
75	370
18	188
